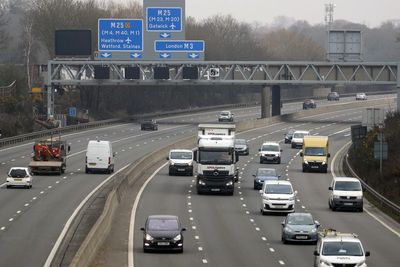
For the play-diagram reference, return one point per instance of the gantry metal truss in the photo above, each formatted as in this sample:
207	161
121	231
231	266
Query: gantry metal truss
71	72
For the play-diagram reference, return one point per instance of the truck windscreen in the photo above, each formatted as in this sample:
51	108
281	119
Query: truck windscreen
315	151
215	157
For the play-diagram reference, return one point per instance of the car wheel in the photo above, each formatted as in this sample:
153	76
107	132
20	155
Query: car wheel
361	209
293	145
261	161
279	161
8	186
284	241
333	208
304	169
191	173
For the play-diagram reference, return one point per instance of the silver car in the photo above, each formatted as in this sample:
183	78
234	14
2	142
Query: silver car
300	227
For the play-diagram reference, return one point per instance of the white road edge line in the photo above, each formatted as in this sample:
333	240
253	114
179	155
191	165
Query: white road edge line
133	215
366	210
70	220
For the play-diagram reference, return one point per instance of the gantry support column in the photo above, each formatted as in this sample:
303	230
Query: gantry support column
276	100
265	102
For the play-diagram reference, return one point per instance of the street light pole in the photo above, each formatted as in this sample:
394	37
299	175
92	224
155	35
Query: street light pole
380	146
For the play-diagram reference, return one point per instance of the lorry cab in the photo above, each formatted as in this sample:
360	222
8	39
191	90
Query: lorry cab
315	153
99	157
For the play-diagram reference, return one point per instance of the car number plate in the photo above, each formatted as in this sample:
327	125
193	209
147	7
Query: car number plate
301	237
181	170
348	204
163	243
92	164
215	189
18	179
314	167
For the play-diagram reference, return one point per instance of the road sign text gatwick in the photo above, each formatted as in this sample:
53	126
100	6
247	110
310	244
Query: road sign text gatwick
164	19
120	35
179	46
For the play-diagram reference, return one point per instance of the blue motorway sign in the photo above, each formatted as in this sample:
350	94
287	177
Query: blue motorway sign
164	19
179	46
120	35
72	111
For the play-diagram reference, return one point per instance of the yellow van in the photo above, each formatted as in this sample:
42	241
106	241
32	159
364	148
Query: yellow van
315	153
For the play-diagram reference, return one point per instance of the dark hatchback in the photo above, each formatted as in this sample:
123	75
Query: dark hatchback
264	174
333	96
241	147
309	103
163	232
289	136
149	125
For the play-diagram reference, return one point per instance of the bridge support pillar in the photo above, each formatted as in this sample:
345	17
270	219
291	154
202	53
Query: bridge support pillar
265	102
398	87
50	101
276	100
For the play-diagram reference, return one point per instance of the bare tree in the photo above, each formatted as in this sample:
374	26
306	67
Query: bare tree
4	36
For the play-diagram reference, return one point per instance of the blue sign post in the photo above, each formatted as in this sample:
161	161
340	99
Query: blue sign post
72	111
164	19
179	46
120	35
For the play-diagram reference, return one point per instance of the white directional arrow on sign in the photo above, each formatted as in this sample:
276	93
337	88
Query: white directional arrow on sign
105	55
165	55
136	55
165	35
193	55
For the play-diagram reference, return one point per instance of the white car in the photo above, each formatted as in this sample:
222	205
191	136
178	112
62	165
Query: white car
225	116
19	176
298	138
346	193
361	96
180	162
270	152
339	249
277	196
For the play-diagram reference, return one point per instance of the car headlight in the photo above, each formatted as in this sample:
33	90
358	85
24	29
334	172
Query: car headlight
229	183
359	197
288	229
361	263
149	237
178	237
325	262
305	161
336	196
323	163
172	164
291	198
314	230
201	182
265	197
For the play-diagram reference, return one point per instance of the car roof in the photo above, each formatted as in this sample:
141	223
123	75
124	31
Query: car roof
180	150
163	217
225	111
299	214
278	182
19	168
270	143
346	179
302	131
262	168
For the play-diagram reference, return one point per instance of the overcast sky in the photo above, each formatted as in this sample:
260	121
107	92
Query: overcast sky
369	12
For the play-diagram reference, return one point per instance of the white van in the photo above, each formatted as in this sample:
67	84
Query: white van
180	161
99	157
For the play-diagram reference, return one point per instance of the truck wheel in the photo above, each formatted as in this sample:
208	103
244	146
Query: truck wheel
8	186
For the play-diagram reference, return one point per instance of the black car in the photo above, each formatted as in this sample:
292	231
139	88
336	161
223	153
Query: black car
149	125
241	147
309	103
333	96
163	232
289	136
264	174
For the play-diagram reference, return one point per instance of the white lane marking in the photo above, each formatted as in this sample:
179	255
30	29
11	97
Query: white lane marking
41	192
366	210
257	229
34	198
281	262
200	248
196	237
204	261
11	219
2	228
18	211
131	261
69	222
264	238
194	227
272	249
26	204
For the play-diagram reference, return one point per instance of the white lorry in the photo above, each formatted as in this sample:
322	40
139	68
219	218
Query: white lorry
216	159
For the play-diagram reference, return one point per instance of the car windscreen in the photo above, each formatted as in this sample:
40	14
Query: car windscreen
347	186
278	189
240	142
181	155
342	249
163	225
215	157
224	114
18	173
266	172
270	148
315	151
300	219
298	135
